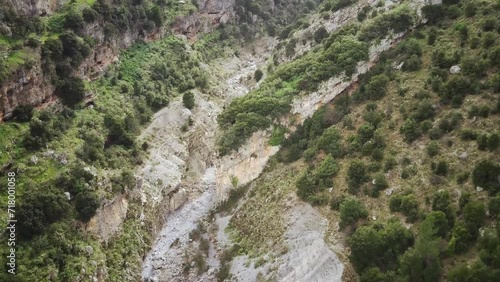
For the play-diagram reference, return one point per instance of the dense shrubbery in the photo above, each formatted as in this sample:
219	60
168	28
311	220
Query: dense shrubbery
351	210
40	208
188	100
398	20
379	246
341	53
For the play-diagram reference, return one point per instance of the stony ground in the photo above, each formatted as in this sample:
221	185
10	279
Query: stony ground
184	161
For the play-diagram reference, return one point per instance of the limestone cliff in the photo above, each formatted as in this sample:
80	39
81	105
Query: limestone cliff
30	85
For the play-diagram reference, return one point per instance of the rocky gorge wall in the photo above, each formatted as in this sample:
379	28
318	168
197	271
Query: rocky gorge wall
31	86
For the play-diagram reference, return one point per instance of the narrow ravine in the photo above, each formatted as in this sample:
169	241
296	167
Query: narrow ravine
184	163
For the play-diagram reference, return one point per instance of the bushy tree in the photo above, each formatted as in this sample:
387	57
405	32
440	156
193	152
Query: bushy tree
410	130
351	210
380	183
494	206
376	88
306	187
439	223
258	75
72	91
422	262
485	175
330	142
474	214
477	272
89	15
23	113
73	20
188	100
326	170
493	141
320	34
379	245
460	238
432	149
356	175
441	201
39	208
441	168
86	204
409	207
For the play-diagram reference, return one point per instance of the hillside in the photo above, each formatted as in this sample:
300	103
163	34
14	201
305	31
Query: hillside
260	140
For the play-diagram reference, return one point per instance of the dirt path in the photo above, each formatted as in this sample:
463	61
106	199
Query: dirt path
185	159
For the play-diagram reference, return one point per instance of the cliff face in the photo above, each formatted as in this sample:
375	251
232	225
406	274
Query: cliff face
31	86
30	8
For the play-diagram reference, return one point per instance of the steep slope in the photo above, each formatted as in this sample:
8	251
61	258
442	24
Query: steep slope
92	193
397	163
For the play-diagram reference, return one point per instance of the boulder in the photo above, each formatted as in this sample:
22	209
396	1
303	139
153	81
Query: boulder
455	69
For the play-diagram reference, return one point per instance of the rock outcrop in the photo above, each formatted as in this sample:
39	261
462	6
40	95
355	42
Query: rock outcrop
31	86
31	8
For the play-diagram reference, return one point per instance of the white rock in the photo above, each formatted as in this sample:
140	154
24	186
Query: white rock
89	250
455	69
479	189
34	159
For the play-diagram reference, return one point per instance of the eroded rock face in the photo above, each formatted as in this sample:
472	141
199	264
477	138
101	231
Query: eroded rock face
245	165
26	87
30	86
30	8
108	219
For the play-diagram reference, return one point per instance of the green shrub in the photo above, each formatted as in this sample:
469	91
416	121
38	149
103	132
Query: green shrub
330	142
320	34
482	141
409	207
470	9
432	149
326	170
478	111
453	12
258	75
433	13
71	91
306	186
379	245
441	168
494	206
89	15
485	175
460	238
39	208
439	223
73	20
488	39
356	175
389	164
395	203
23	113
86	204
398	19
489	24
493	141
351	210
441	201
474	214
410	130
188	100
380	183
462	177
